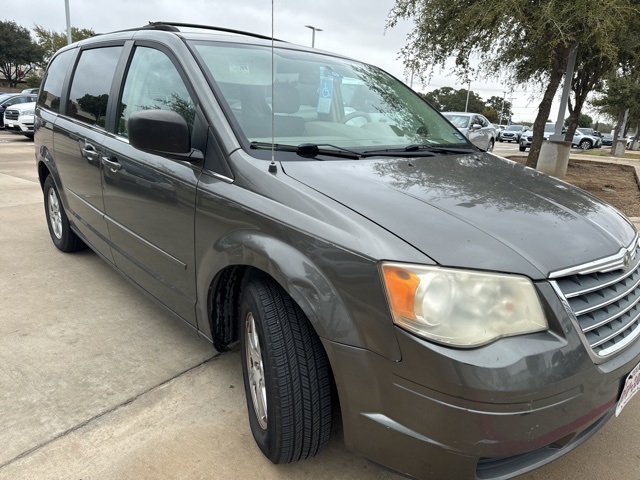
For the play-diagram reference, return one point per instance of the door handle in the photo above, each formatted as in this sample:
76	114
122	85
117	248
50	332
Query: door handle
114	166
89	152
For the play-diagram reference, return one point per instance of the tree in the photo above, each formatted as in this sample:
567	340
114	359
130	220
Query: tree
583	121
500	105
19	54
620	99
527	41
52	41
447	99
491	114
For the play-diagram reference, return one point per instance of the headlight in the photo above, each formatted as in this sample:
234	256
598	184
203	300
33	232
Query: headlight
27	112
459	307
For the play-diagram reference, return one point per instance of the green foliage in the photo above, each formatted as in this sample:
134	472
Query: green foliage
51	41
523	40
584	121
621	93
34	80
500	104
19	54
447	99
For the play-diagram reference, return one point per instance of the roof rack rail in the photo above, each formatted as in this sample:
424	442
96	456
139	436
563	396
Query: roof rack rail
171	26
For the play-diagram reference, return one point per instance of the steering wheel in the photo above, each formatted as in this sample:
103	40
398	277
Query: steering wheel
356	114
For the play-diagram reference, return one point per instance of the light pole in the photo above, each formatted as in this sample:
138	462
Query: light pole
313	34
66	7
466	106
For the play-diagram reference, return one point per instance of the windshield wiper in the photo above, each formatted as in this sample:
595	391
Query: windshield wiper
311	149
421	149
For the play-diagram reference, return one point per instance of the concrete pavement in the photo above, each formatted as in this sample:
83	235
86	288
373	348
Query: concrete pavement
97	382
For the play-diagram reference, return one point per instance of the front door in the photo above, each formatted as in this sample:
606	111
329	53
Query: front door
149	199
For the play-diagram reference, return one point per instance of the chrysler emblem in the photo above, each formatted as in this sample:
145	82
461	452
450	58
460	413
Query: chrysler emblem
627	259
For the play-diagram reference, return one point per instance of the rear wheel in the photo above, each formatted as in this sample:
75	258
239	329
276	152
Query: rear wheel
286	375
522	148
63	237
490	147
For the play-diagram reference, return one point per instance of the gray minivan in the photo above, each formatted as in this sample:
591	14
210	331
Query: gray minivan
469	317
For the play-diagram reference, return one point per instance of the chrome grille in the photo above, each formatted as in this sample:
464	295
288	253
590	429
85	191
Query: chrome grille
605	298
11	114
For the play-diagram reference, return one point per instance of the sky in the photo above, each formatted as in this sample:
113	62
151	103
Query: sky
354	28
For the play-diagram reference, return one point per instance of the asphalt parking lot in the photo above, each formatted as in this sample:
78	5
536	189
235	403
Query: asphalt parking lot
98	382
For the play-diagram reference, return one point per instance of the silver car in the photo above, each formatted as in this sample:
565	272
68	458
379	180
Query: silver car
475	127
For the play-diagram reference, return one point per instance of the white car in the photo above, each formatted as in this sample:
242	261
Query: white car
475	127
18	118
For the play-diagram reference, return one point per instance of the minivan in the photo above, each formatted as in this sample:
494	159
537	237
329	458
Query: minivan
468	317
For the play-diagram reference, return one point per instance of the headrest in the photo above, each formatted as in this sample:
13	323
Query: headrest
286	98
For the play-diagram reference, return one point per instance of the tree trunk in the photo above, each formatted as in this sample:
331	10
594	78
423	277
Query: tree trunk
543	113
616	133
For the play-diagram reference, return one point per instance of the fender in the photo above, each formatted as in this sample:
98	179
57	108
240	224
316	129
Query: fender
304	272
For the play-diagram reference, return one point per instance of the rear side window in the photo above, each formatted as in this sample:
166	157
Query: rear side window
91	84
52	87
153	82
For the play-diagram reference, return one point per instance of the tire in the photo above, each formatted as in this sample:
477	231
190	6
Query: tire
501	140
490	147
585	145
522	149
286	375
62	236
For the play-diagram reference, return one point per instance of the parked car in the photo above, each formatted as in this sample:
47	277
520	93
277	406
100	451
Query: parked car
527	137
19	118
475	127
13	99
586	142
512	133
31	90
607	139
381	268
589	131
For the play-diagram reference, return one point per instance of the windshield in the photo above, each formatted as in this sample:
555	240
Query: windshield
319	99
515	128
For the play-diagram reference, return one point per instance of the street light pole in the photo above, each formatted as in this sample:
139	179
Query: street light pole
466	106
66	7
313	34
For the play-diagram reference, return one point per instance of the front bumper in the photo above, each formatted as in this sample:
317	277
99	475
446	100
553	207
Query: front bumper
486	413
509	137
23	124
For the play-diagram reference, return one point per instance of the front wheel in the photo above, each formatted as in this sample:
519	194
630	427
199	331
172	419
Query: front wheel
585	145
63	237
522	148
286	375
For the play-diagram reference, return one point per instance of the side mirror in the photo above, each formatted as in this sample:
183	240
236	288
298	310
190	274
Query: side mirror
162	132
476	126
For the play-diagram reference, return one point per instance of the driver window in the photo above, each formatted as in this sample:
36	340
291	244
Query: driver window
153	82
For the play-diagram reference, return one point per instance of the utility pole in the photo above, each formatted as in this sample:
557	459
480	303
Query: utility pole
504	96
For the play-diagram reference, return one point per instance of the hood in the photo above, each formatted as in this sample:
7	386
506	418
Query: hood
474	211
